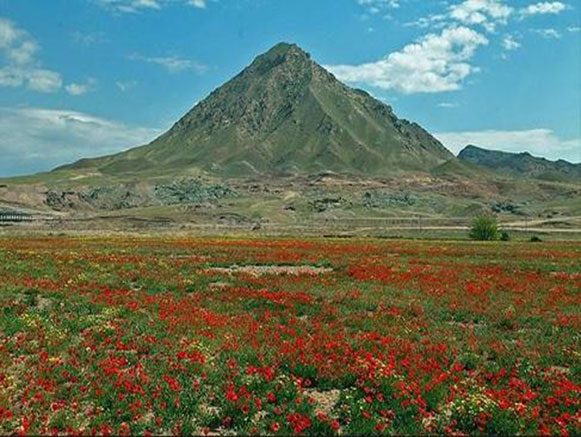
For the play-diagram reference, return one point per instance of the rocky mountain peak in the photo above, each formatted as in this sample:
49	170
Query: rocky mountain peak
286	114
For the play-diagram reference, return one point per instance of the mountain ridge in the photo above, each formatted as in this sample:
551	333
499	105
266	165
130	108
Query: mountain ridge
521	164
283	114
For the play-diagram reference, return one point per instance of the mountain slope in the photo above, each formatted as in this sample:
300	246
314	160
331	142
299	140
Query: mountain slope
521	164
284	114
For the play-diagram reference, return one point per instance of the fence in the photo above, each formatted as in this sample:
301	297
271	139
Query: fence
389	226
330	226
14	217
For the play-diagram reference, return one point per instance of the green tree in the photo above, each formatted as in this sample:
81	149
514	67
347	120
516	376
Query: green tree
484	229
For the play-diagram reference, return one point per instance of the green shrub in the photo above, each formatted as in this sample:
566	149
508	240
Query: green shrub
484	229
504	236
535	239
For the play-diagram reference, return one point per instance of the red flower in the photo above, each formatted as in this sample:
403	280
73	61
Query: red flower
299	422
172	383
275	427
544	429
231	394
124	429
321	416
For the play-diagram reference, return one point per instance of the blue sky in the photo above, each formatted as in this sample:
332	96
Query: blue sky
89	77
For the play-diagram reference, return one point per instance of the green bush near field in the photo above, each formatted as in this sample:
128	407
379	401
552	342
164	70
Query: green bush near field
484	229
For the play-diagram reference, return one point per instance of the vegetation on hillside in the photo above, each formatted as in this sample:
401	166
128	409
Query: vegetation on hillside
284	114
522	164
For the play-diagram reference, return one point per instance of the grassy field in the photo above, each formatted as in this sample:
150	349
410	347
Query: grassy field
123	335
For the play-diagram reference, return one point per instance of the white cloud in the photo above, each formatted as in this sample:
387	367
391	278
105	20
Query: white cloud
132	6
375	6
173	64
540	142
548	33
436	21
198	3
436	63
125	85
89	38
78	89
487	13
128	5
44	81
543	8
18	52
10	78
448	105
33	139
510	43
574	29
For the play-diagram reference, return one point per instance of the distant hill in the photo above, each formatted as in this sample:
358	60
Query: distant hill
521	164
284	114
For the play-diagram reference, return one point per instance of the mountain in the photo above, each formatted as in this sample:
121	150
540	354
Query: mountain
521	164
284	114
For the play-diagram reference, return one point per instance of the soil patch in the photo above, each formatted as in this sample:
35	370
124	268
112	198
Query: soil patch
270	270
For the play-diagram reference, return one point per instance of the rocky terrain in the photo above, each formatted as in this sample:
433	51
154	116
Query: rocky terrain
282	115
522	164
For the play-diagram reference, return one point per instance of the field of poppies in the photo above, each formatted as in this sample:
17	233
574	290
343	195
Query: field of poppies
125	335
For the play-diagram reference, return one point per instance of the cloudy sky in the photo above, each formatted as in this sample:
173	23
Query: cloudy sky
82	78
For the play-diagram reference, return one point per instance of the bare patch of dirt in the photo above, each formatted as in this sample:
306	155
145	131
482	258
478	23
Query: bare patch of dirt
566	275
43	302
270	270
468	325
559	370
219	285
325	400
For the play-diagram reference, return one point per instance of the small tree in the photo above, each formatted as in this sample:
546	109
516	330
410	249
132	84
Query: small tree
484	229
